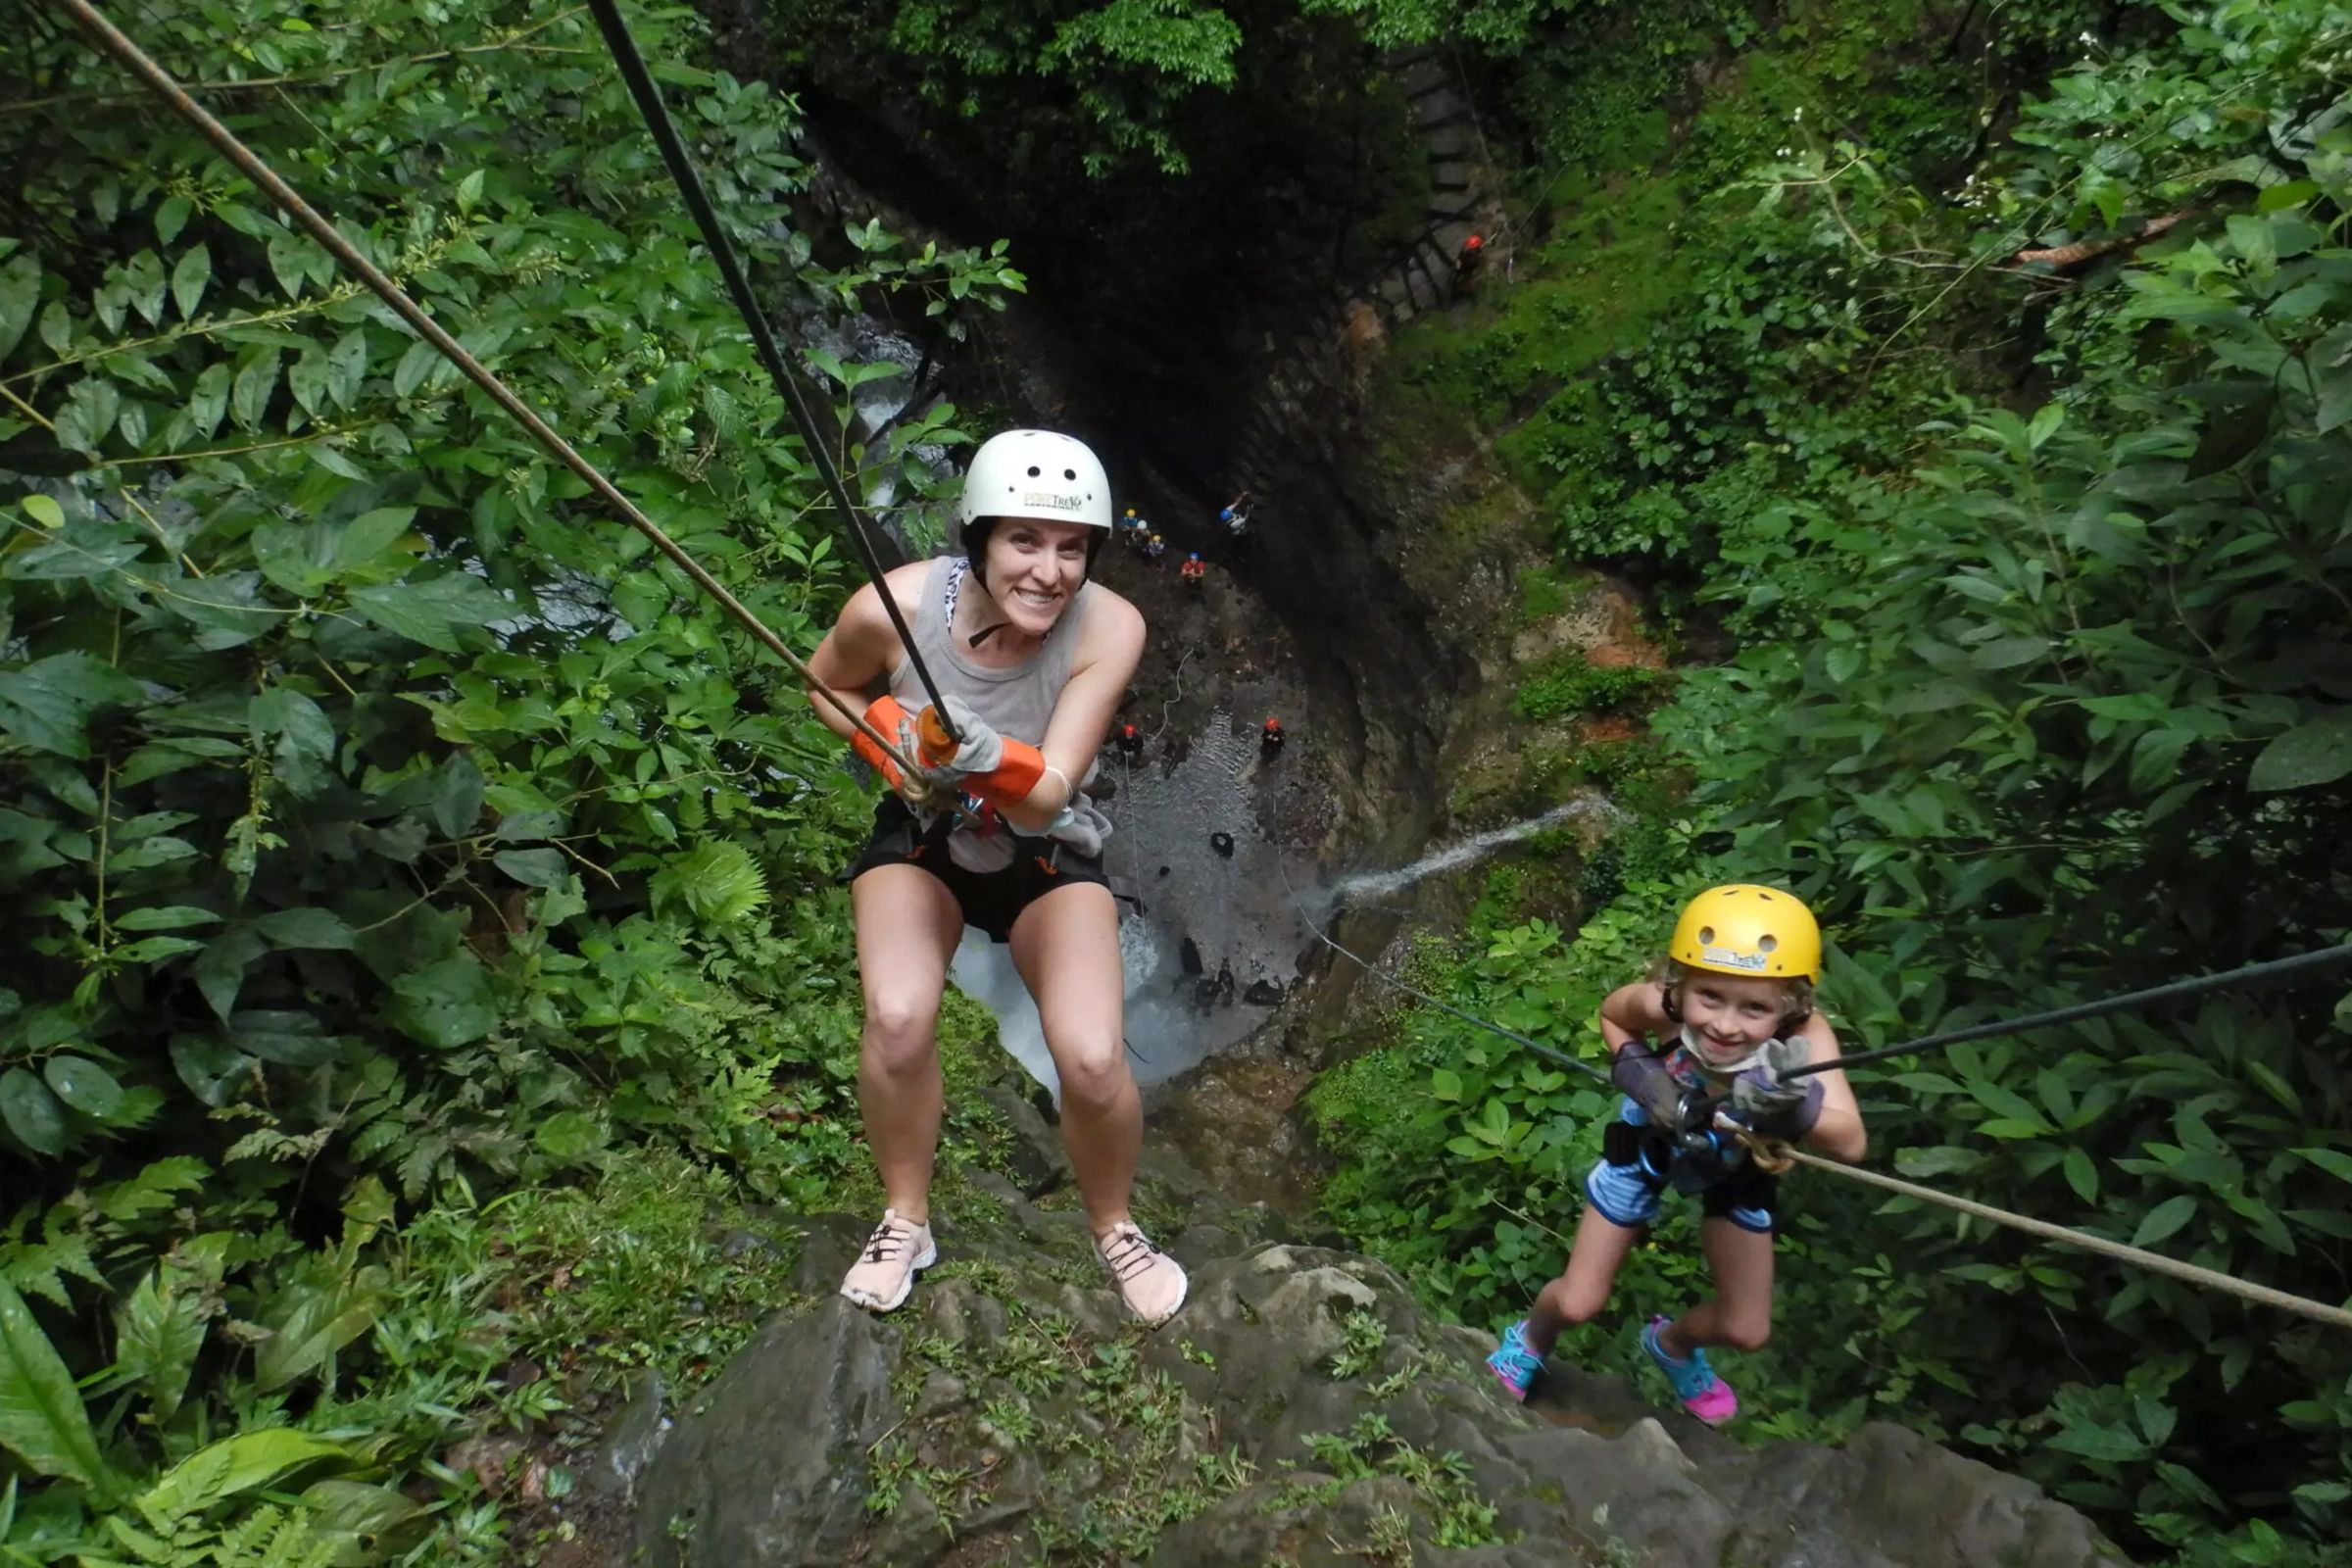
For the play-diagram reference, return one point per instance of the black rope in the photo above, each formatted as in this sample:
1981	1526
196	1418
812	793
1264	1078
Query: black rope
2251	974
723	251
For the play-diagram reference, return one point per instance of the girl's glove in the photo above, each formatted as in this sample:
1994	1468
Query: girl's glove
1763	1103
1641	1075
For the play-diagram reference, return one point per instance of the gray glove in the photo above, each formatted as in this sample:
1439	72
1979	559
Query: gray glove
1082	829
981	752
1764	1104
1641	1074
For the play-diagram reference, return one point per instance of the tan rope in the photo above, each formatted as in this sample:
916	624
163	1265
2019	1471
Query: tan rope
1773	1156
161	83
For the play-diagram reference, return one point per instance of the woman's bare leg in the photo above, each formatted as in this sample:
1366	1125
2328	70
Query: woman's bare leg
1066	946
908	927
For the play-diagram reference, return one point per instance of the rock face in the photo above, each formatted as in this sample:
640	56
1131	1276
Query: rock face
1300	1409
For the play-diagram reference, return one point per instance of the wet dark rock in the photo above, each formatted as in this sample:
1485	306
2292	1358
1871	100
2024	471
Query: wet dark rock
1188	953
1015	1393
741	1242
1263	994
1033	1158
1222	843
771	1465
631	1441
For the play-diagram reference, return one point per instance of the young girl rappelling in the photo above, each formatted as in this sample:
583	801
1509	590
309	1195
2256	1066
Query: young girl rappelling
1031	659
1732	1006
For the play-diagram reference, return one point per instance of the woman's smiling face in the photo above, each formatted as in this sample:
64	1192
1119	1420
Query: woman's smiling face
1035	569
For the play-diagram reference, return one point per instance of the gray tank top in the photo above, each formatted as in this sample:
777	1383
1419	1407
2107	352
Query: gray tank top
1017	700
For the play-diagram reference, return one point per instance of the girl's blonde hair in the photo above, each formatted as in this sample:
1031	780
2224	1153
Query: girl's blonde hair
1797	990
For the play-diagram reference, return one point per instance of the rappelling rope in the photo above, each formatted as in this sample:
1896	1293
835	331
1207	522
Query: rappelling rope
2252	973
689	182
1164	707
1774	1155
158	81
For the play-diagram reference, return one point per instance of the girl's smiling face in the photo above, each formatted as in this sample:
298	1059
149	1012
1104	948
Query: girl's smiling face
1035	569
1728	1016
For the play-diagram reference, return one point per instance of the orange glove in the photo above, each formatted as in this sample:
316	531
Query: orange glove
983	764
1010	782
886	714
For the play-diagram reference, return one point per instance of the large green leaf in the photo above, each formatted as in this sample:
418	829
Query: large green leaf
41	1417
2319	752
31	1113
46	704
2164	1219
19	299
289	1039
309	1321
304	558
303	749
433	611
448	1003
189	275
82	1085
231	1467
159	1329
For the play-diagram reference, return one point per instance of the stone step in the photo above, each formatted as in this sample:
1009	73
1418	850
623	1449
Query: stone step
1450	141
1449	175
1426	294
1423	78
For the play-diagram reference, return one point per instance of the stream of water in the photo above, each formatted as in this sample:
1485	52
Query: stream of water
1378	884
1217	942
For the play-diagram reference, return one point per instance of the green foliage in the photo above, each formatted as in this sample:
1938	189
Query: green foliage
385	824
2034	701
1572	684
1115	74
1455	1512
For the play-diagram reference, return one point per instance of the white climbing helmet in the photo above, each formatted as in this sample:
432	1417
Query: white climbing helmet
1036	473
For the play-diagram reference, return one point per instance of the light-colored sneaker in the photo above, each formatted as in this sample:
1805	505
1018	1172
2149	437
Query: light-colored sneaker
885	1271
1150	1281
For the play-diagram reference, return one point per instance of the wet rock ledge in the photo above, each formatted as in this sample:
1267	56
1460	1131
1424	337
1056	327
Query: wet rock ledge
1302	1411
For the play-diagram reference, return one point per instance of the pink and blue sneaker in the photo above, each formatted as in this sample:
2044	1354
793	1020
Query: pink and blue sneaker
1515	1367
1703	1393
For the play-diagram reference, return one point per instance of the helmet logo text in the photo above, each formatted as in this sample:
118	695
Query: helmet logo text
1724	957
1048	498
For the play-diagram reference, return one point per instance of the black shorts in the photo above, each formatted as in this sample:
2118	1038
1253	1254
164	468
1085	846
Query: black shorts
991	900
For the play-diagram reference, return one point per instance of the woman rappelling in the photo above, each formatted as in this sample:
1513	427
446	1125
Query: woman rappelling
1029	659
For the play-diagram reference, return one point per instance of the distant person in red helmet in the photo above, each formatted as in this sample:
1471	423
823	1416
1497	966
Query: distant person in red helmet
1465	261
1270	737
1129	742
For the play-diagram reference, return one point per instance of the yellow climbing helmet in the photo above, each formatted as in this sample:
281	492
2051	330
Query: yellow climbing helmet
1749	930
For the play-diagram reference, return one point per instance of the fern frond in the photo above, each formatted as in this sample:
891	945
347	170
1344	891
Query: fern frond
718	882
